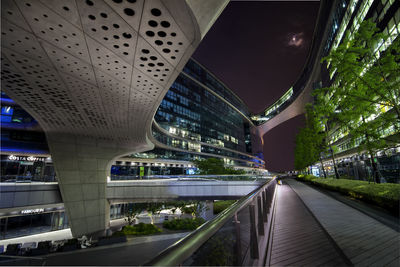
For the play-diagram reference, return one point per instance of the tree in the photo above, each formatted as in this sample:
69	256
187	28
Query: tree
214	166
309	142
364	97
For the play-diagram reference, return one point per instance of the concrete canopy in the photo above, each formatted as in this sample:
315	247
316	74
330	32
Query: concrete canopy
93	74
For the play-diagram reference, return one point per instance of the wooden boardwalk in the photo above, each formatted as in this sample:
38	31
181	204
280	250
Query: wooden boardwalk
298	239
362	239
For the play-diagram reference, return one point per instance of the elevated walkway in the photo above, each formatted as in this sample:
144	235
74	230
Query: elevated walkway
312	228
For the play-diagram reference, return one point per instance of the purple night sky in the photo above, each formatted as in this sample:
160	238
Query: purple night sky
258	49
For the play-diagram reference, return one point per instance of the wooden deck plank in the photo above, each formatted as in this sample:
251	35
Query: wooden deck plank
297	237
364	240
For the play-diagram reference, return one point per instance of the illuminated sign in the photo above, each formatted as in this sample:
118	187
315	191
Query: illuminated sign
32	211
24	158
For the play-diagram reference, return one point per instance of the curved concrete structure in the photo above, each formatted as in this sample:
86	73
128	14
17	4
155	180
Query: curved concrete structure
311	74
296	108
93	73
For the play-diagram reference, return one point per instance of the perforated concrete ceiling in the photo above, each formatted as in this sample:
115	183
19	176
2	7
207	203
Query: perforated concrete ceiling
97	68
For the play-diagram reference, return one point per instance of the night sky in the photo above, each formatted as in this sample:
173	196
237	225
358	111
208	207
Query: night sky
258	49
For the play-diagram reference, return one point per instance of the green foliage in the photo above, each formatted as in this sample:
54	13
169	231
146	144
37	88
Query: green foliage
309	141
183	224
140	229
364	97
219	250
136	208
214	166
384	195
221	205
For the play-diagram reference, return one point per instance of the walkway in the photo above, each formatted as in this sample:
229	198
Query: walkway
298	239
356	238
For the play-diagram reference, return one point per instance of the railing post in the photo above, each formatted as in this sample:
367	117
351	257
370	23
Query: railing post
260	217
253	233
264	196
238	246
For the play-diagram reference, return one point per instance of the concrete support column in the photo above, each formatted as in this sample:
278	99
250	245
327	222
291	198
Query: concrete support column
82	166
207	211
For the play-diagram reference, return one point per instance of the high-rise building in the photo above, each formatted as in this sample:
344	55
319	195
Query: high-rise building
337	19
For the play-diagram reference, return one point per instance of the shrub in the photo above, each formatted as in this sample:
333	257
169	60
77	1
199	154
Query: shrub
140	229
221	205
385	195
183	224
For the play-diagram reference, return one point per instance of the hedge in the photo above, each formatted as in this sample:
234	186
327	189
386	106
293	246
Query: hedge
183	224
385	195
221	205
138	229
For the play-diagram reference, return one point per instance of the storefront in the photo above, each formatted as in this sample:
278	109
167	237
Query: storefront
16	168
32	221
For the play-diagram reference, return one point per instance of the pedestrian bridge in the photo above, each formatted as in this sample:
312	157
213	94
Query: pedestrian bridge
16	197
172	189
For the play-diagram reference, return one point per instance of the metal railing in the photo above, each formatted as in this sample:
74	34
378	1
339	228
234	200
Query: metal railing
188	177
239	236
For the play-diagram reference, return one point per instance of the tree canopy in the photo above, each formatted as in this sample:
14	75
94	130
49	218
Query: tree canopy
363	100
212	166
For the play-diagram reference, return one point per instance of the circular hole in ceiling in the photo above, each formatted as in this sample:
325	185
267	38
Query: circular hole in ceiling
104	15
65	8
143	58
117	1
153	58
151	64
161	34
131	1
158	42
126	44
155	12
89	3
165	24
153	23
129	11
150	33
116	26
116	37
104	28
173	34
169	43
127	35
145	51
160	64
92	17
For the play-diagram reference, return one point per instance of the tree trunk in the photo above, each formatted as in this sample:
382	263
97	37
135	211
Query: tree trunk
374	168
331	150
334	163
323	168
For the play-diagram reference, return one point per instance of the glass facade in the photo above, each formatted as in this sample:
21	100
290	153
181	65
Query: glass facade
199	115
30	224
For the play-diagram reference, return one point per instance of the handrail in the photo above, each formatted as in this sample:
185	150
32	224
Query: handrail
184	248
